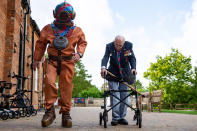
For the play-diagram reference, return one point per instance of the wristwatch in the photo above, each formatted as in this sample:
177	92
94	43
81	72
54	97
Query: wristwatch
80	55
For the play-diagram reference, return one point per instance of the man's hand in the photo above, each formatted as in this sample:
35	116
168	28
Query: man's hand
103	72
134	72
35	65
76	57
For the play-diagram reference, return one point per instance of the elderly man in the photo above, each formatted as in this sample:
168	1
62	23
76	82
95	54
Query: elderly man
66	45
122	59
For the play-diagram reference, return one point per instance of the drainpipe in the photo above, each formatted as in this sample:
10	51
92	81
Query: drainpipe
20	61
32	61
24	45
43	85
24	40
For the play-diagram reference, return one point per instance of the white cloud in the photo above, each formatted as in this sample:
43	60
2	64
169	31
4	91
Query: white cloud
146	48
94	17
119	17
187	43
42	11
172	18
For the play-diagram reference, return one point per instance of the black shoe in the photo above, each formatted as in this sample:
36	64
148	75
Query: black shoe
66	120
114	123
48	117
123	122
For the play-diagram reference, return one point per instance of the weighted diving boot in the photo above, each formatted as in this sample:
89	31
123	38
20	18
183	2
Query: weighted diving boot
66	120
48	117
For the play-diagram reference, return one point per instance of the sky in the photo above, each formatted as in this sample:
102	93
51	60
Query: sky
153	26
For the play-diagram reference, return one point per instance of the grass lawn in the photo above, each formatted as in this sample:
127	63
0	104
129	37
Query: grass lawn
192	112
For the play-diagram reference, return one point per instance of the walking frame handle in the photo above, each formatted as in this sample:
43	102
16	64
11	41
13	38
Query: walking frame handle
133	89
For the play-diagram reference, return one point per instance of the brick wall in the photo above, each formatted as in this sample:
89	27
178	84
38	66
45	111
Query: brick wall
3	20
11	25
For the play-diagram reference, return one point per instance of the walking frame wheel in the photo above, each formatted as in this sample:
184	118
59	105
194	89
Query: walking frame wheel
138	118
100	118
105	119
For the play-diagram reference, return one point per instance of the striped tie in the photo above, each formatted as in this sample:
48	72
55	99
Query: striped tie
119	66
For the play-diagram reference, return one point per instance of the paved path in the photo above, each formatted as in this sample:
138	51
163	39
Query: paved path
87	119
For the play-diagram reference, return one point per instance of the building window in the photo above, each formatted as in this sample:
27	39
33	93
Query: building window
36	80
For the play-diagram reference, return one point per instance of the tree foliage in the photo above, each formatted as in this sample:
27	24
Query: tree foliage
92	92
140	87
81	79
193	91
174	74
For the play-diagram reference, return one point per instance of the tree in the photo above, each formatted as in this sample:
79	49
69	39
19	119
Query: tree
140	87
105	86
92	92
174	74
81	79
193	91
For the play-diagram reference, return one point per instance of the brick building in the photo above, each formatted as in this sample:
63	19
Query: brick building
18	34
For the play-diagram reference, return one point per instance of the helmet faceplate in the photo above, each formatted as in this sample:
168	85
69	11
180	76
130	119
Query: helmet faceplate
64	9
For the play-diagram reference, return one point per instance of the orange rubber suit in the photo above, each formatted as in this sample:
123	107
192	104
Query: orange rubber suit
76	39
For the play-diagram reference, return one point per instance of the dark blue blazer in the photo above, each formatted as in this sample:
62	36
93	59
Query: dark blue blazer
127	59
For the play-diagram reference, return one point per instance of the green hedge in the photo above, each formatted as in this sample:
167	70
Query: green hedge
92	92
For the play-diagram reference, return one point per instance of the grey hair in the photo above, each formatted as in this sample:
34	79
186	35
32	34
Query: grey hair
119	37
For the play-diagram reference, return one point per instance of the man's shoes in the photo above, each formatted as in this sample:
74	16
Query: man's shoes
66	120
48	117
123	122
114	122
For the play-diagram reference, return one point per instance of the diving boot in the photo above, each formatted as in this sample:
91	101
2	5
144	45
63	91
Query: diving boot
48	117
66	120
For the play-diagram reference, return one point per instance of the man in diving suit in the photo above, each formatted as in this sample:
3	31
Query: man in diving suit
66	45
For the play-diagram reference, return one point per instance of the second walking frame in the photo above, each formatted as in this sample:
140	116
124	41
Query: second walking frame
133	91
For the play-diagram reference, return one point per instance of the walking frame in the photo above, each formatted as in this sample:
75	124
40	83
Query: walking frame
133	91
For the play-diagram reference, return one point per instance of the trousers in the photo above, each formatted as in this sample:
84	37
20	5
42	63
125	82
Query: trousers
120	110
65	85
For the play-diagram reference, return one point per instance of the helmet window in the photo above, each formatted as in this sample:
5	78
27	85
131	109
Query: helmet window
63	16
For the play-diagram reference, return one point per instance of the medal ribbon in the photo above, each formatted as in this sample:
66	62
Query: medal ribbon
119	65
